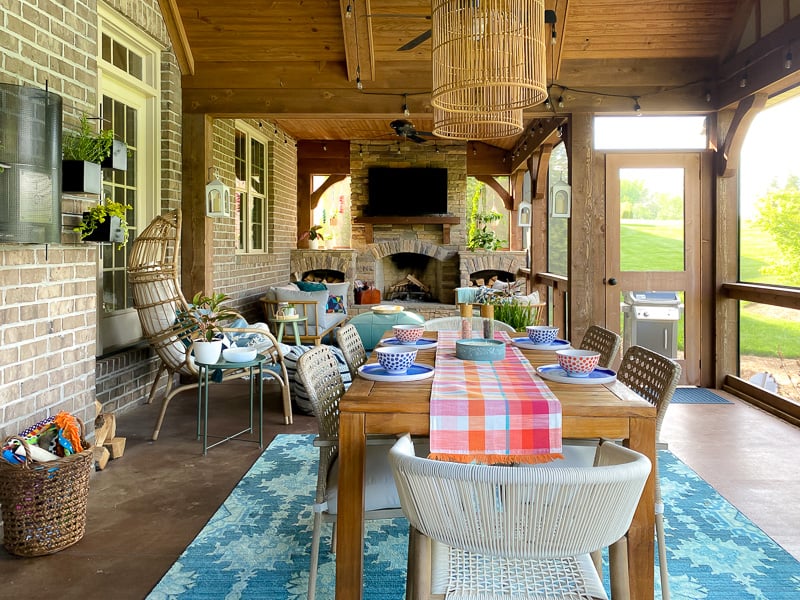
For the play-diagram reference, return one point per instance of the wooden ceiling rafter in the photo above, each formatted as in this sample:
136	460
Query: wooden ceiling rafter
177	34
741	16
357	34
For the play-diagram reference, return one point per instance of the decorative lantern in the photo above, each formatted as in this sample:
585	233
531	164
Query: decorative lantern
218	198
524	215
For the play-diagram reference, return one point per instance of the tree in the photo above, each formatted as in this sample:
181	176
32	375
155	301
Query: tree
779	216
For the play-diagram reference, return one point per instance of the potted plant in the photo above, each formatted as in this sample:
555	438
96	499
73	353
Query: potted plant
208	313
83	151
105	222
313	235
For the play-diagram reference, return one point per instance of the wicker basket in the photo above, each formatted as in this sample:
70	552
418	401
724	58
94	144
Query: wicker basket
44	504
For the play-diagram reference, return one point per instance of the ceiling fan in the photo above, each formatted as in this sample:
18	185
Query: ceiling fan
406	129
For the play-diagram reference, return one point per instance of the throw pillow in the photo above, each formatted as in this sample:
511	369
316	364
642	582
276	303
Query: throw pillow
311	286
336	304
339	290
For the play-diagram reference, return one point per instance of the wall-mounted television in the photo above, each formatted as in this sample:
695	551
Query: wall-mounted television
411	191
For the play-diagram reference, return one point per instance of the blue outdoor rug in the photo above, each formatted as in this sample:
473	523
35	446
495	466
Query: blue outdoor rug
695	395
257	545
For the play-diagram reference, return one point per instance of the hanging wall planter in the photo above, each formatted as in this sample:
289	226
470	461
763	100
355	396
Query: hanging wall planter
108	231
118	159
81	177
105	222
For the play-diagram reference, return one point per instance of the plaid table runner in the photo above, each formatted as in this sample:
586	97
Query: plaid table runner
491	412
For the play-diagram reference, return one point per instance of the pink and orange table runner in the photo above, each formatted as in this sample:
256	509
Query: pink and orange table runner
491	412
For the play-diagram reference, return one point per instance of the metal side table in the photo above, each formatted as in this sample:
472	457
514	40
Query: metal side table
257	364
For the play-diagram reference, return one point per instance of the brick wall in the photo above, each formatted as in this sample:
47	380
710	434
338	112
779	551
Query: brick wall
246	277
48	293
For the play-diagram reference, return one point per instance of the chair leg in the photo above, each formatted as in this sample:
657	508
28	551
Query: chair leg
597	559
312	571
162	367
662	555
618	569
418	575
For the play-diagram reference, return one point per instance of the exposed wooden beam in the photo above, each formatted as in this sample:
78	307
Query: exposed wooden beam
728	157
536	134
358	47
742	14
557	50
763	63
329	181
542	168
177	34
505	196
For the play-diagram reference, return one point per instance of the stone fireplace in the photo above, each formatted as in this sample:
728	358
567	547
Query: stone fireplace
433	264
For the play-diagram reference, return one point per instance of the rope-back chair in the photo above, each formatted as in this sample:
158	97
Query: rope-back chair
318	370
454	324
604	341
499	531
349	341
654	377
163	311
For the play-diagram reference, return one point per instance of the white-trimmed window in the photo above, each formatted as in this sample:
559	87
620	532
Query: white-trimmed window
251	162
129	93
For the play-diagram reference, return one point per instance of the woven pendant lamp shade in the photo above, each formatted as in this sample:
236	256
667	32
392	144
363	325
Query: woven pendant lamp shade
480	126
489	56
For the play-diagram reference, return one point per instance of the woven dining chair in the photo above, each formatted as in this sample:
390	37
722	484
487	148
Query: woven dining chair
498	531
318	371
153	274
454	324
349	342
654	377
604	341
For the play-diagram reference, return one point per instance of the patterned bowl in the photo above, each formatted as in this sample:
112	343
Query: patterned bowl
577	363
396	359
408	334
541	334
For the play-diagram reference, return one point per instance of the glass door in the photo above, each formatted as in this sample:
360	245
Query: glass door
652	254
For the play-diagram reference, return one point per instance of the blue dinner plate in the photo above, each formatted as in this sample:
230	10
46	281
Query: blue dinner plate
556	373
525	342
376	372
421	343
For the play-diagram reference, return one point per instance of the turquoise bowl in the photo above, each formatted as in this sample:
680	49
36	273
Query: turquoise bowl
480	349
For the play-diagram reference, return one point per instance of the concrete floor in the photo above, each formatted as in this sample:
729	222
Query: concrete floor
146	507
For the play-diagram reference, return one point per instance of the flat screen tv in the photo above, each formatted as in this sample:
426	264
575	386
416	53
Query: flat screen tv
412	191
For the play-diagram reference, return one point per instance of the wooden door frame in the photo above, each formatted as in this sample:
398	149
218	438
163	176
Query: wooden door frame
689	279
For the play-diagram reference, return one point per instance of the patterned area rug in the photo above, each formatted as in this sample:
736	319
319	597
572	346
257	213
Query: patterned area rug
694	395
257	544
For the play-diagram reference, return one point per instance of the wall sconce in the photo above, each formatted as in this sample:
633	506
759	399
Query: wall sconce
524	214
218	198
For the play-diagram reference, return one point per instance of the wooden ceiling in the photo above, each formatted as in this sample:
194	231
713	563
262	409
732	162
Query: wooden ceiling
295	62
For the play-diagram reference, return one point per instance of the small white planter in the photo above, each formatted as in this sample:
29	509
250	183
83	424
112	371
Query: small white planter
207	352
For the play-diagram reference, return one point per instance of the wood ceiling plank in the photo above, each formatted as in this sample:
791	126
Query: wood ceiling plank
177	33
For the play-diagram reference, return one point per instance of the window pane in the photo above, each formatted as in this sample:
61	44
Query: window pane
257	223
241	206
769	198
769	347
650	133
557	223
240	158
651	219
257	167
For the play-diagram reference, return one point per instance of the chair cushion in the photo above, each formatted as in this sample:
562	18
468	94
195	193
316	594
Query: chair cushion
379	489
298	391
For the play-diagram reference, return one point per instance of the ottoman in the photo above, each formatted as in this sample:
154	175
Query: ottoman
371	325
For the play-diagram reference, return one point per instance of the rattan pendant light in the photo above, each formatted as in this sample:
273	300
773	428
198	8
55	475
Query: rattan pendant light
477	126
489	56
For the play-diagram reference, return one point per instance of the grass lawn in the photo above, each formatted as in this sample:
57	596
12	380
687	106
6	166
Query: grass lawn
659	247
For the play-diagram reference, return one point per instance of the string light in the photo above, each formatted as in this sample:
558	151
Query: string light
708	96
359	85
561	102
547	104
406	112
636	106
348	12
743	80
787	61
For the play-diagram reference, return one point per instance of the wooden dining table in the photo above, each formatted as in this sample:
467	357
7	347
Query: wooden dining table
589	411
